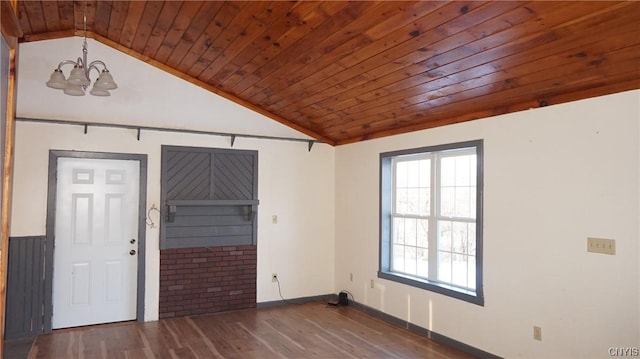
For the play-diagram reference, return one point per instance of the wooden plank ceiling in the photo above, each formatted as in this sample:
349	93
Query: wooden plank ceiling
349	71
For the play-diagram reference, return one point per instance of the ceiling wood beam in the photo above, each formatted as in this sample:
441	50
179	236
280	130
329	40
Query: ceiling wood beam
11	29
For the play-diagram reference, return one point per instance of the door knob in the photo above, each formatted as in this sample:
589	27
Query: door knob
132	241
132	252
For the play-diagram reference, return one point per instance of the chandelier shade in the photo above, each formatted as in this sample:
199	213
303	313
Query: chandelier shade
57	80
98	91
78	77
105	81
74	90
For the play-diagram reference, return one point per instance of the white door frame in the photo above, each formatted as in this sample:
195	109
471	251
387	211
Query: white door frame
51	215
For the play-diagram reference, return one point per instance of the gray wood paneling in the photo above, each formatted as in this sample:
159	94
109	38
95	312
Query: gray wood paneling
209	197
188	175
25	287
232	176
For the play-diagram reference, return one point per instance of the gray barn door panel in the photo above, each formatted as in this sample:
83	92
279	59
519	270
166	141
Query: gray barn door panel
233	176
25	287
210	197
187	175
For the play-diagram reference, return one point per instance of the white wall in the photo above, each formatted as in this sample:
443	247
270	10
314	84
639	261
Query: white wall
553	177
146	96
293	183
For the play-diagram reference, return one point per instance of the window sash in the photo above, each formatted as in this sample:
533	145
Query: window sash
433	219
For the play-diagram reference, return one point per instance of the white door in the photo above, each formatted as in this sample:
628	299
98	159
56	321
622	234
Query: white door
96	228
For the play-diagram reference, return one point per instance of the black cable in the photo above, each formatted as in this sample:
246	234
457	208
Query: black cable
280	292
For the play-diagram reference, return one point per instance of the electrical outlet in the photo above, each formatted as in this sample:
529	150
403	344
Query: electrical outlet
274	277
350	277
274	219
537	333
373	285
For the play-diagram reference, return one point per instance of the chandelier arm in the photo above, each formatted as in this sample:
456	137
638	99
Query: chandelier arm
92	66
66	62
97	62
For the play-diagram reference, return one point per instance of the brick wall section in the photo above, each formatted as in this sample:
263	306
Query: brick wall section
207	280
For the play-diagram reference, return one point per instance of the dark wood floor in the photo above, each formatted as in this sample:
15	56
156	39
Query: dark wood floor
310	330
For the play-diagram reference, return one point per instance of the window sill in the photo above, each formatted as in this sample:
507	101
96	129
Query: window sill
444	289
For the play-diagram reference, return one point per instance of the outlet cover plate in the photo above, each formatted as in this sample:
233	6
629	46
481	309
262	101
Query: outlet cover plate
601	245
537	333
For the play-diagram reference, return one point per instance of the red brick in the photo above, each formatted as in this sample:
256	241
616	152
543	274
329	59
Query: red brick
207	280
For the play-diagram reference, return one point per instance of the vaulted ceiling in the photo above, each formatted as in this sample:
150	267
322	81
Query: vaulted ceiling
343	72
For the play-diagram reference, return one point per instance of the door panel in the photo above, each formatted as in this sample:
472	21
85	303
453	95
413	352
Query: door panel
81	276
95	275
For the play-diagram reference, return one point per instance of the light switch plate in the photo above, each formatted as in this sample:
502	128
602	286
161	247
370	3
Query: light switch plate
601	245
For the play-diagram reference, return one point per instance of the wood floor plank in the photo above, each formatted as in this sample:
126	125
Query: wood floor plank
311	330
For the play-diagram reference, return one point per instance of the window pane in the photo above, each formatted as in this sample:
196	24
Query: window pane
459	237
397	260
471	238
410	264
444	237
425	201
425	173
413	201
401	201
413	173
401	174
459	270
473	168
398	230
457	186
472	202
423	263
423	233
447	171
410	231
472	273
462	174
462	202
447	201
444	267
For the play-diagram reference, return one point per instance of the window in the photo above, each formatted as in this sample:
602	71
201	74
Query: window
431	219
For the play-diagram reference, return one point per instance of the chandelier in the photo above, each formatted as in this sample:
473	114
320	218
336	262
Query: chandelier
79	79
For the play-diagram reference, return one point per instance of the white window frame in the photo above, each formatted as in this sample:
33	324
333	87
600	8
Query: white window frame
388	163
